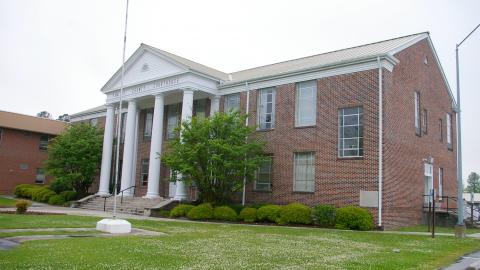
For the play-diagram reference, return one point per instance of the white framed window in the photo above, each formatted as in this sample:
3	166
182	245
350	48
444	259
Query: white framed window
144	172
449	128
147	131
417	113
231	103
40	176
306	104
350	132
172	120
425	121
266	108
263	176
440	129
43	142
93	122
440	183
304	172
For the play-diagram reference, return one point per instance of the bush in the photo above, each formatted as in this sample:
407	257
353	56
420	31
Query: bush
181	210
269	213
56	200
163	213
237	207
324	215
248	214
42	194
224	213
26	190
68	195
59	186
354	218
295	213
202	211
22	206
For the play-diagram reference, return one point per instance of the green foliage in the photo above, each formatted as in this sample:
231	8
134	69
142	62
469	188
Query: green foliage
56	200
324	215
59	186
26	190
22	206
354	218
214	154
248	214
163	213
42	194
68	195
203	211
74	157
295	213
270	213
181	210
473	183
224	213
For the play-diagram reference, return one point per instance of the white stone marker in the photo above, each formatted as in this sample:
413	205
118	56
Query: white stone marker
114	226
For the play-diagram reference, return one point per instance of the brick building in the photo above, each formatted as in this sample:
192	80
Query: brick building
23	149
371	125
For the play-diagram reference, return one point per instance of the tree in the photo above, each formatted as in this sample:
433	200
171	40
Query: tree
473	183
44	114
64	117
74	157
215	154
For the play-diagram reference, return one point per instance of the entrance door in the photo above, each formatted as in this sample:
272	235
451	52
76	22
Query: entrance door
428	182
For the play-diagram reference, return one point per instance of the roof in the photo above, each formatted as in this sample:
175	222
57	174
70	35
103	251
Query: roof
100	108
31	123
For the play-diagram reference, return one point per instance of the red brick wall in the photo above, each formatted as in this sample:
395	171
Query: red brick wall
19	147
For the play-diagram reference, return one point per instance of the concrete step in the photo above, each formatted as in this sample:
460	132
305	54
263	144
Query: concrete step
135	205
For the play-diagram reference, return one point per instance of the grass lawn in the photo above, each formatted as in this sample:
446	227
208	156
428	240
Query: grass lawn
227	246
7	202
424	228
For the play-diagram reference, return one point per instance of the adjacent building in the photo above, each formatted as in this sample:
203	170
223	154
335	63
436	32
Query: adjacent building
23	149
372	125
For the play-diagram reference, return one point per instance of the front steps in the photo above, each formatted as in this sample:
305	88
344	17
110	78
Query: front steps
130	205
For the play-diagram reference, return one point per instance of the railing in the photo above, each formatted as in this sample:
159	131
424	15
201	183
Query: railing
121	191
443	203
105	201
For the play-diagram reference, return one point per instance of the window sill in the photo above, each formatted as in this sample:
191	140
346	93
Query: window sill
262	191
350	158
303	192
300	127
265	130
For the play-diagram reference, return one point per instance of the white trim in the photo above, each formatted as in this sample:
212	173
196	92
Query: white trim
409	43
88	116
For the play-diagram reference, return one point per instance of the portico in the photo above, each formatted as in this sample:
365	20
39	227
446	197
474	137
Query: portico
153	80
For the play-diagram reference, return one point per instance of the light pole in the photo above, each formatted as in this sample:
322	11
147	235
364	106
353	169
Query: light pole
460	228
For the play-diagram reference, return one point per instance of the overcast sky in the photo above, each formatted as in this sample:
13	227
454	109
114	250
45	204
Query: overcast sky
56	55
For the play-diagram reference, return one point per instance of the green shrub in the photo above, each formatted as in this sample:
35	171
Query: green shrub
22	206
59	186
181	210
353	218
324	215
269	213
224	213
163	213
237	207
295	213
56	200
42	194
248	214
202	211
68	195
26	190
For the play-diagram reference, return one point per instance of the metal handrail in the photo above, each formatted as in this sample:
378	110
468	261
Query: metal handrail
105	201
121	191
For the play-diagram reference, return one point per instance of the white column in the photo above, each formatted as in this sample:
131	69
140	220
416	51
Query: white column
129	147
155	148
187	108
107	151
135	152
214	105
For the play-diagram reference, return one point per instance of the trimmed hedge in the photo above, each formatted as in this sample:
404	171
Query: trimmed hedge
248	214
202	211
181	210
42	194
295	213
224	213
324	215
68	195
22	206
56	200
270	213
353	218
26	190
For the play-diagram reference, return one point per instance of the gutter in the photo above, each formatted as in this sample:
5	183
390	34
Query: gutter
380	140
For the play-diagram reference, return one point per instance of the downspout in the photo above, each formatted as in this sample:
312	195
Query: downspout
246	124
380	141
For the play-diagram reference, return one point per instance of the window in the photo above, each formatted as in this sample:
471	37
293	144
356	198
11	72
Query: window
350	132
23	166
43	142
306	104
304	172
144	173
449	129
440	129
263	181
199	108
424	121
231	103
124	122
93	122
147	132
172	120
266	108
40	177
440	183
417	113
